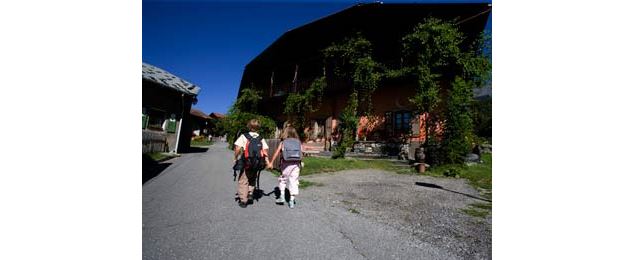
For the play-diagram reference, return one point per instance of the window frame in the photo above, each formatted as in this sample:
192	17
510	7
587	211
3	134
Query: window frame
154	116
401	125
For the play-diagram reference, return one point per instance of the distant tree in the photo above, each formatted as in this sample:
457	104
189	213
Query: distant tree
244	109
248	100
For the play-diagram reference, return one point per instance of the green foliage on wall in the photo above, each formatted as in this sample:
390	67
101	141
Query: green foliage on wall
298	105
348	127
352	60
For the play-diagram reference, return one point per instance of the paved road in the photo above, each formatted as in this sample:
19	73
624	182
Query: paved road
189	212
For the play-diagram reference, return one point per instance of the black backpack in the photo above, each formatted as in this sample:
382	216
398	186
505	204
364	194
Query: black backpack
253	159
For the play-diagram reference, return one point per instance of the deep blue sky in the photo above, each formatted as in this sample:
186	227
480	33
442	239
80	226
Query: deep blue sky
208	43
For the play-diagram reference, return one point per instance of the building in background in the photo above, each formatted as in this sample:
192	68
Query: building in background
166	103
201	123
216	117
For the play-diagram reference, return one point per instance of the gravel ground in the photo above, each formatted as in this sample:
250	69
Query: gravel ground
430	212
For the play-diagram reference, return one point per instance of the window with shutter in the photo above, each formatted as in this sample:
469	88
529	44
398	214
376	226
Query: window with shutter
171	127
145	122
156	118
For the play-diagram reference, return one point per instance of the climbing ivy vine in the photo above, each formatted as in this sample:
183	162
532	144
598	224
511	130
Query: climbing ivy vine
352	61
298	105
349	60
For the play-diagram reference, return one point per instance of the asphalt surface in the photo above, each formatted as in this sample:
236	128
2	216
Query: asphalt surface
189	212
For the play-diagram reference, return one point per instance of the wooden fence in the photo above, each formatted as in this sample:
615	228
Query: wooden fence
273	144
154	142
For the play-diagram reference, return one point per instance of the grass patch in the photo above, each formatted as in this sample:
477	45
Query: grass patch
305	184
354	211
485	206
475	212
479	210
200	142
314	165
159	156
479	175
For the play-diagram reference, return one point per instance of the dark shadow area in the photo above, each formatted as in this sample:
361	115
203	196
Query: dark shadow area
275	192
258	193
287	195
196	150
150	168
434	186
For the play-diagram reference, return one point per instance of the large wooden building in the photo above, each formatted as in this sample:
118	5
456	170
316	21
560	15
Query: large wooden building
293	61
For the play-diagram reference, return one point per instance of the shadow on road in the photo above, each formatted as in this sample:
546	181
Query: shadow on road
258	194
434	186
151	168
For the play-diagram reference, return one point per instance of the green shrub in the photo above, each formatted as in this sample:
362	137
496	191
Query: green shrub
243	110
457	135
453	172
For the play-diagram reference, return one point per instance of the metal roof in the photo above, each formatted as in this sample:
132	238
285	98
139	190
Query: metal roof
167	79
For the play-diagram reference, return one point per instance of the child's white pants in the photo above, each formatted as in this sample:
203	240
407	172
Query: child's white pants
290	176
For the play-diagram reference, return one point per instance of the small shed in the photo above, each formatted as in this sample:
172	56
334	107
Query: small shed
166	102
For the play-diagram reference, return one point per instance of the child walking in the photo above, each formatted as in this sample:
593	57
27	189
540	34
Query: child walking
247	179
291	159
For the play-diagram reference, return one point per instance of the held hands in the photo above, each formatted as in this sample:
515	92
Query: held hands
269	166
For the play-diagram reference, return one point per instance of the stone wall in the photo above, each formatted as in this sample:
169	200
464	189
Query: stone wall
377	148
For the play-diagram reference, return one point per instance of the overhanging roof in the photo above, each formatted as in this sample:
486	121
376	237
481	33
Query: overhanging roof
169	80
383	24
